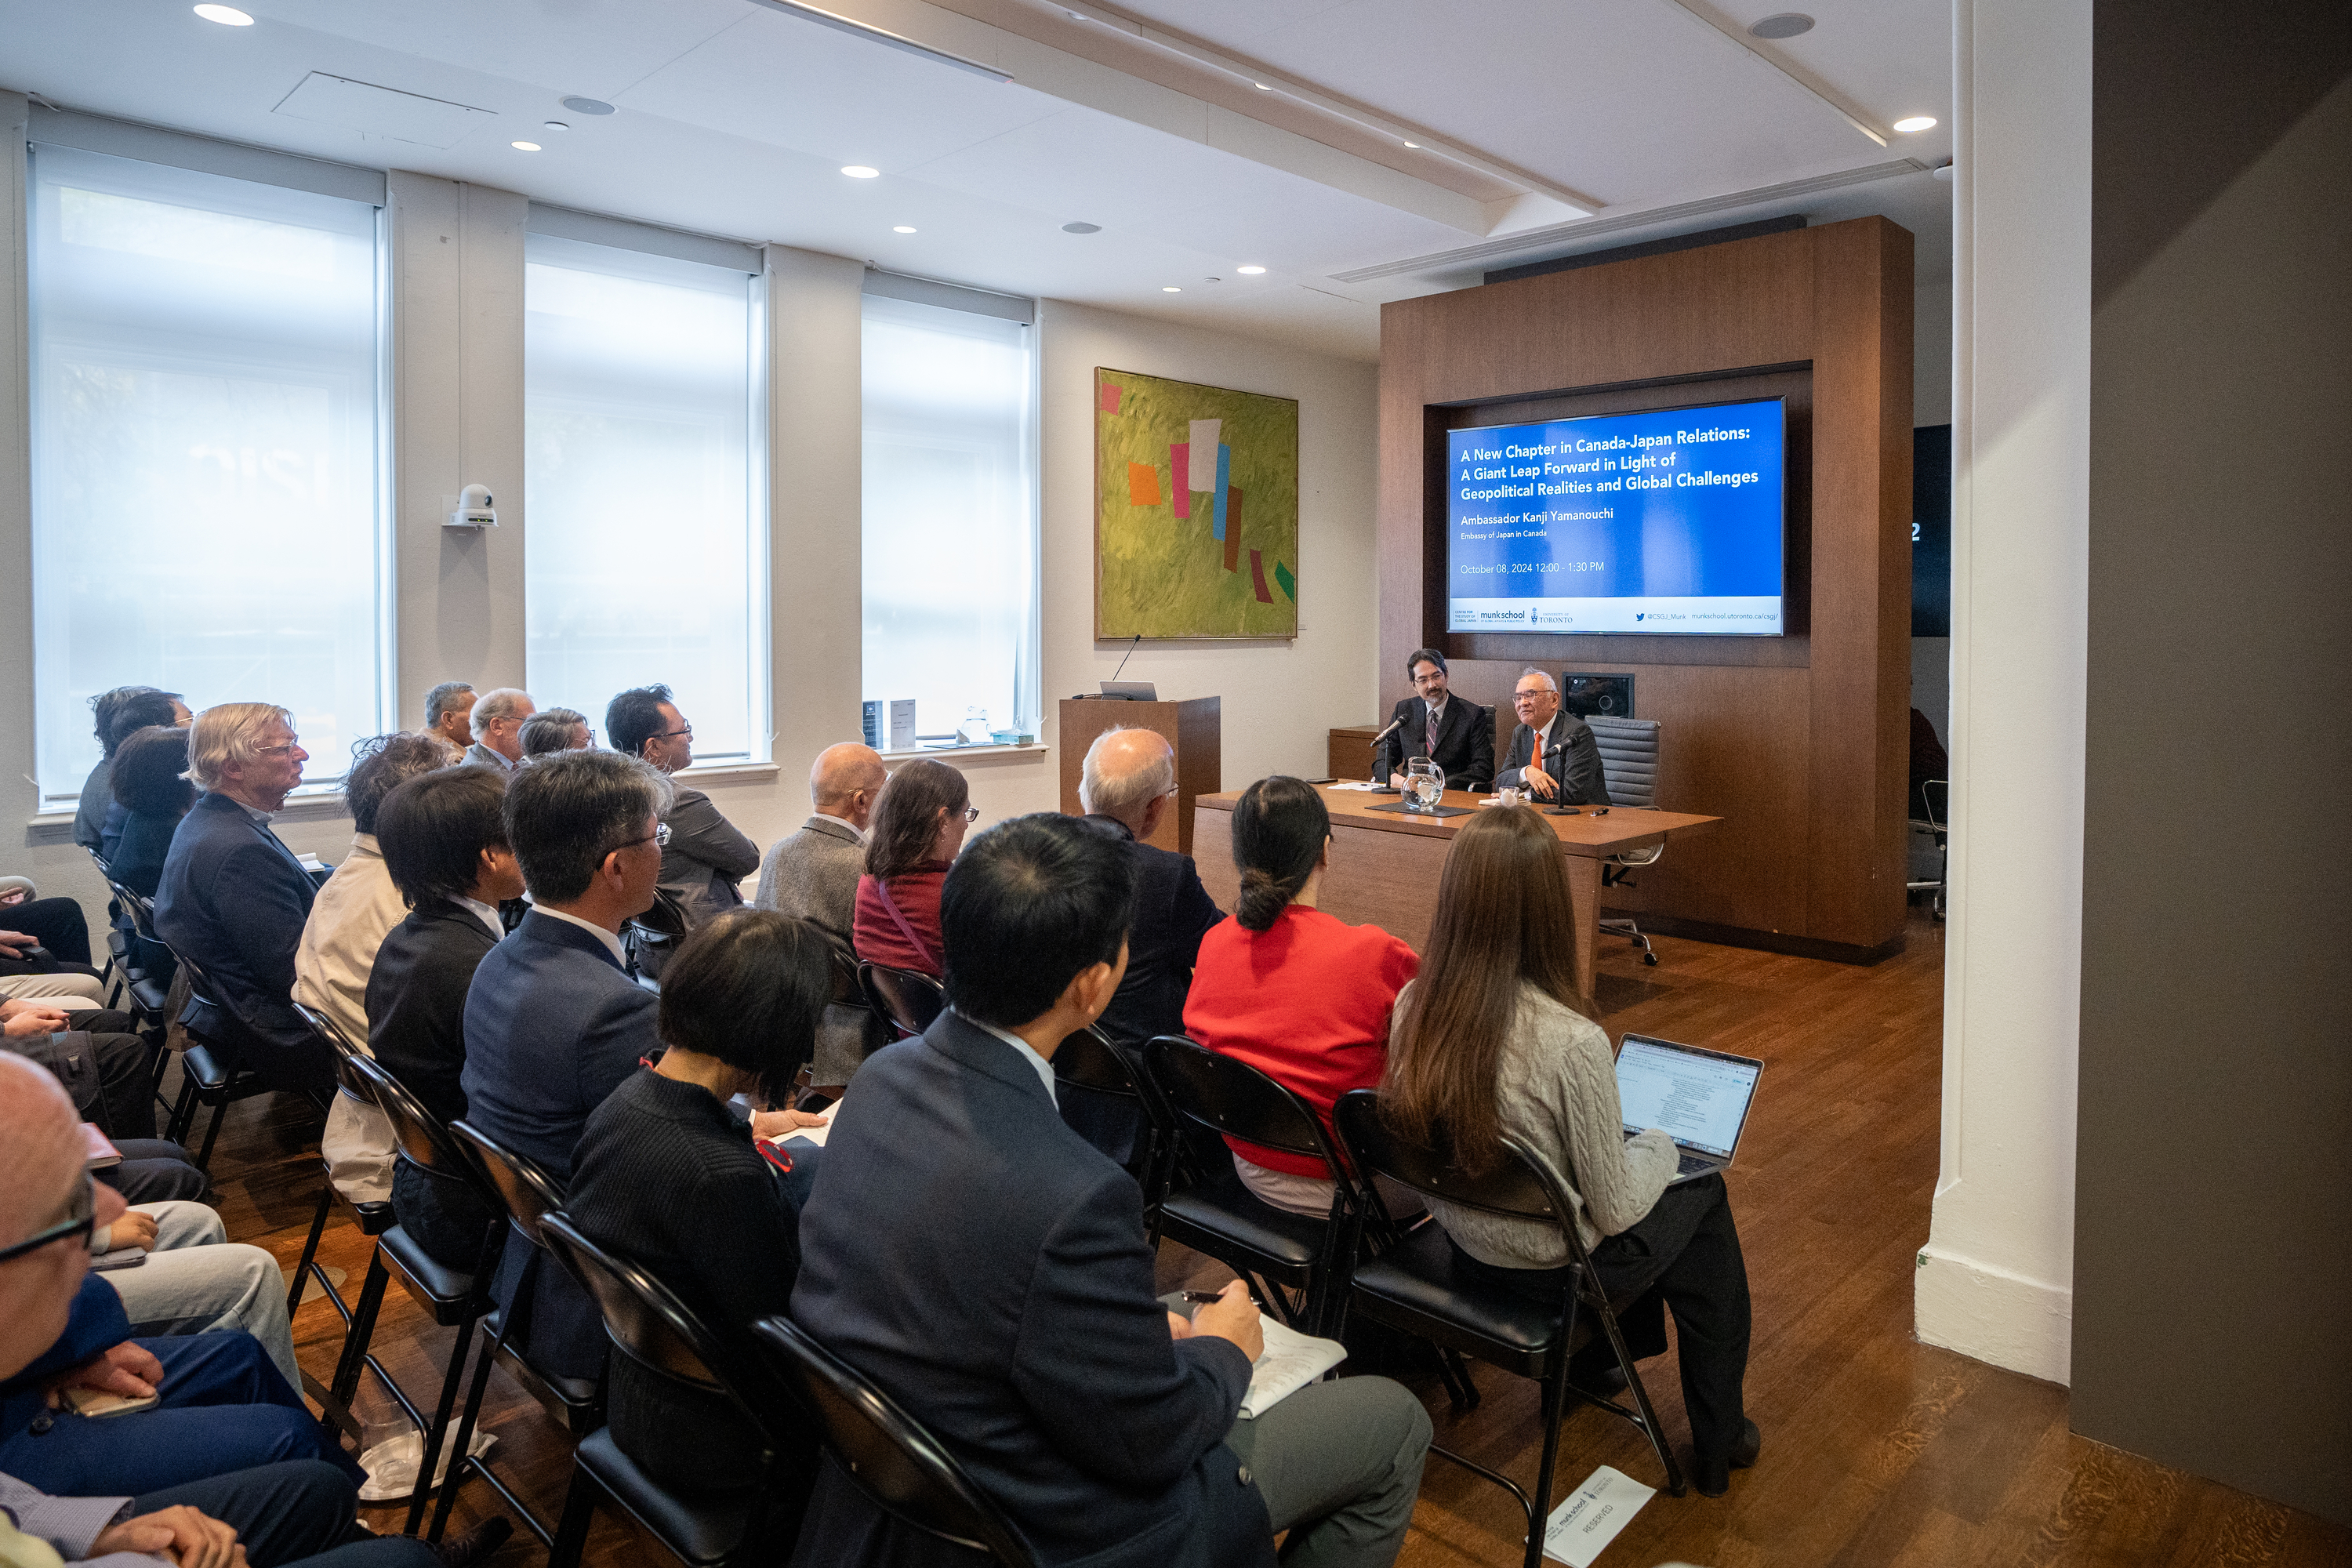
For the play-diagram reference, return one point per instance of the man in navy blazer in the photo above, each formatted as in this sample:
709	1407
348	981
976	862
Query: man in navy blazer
553	1023
233	898
987	1269
1453	732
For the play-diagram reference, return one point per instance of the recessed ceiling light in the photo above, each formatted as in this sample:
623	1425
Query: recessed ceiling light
524	146
1917	124
1414	145
554	125
902	228
1250	271
226	16
578	105
1171	288
1082	229
1787	24
860	171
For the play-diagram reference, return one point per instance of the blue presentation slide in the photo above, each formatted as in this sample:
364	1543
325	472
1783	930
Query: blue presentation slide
1666	521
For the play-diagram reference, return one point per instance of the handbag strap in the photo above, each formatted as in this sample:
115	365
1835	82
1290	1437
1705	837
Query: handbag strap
890	907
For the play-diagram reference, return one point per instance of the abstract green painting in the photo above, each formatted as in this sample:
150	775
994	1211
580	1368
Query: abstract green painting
1196	510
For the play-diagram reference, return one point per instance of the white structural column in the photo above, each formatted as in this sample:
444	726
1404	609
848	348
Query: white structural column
458	404
1995	1279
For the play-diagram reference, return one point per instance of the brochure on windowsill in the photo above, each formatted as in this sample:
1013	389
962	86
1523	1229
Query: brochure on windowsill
1290	1362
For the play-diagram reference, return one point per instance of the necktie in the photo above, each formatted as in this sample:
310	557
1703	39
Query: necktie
1429	743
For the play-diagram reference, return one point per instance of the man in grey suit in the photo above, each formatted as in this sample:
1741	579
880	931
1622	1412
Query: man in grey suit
496	724
813	874
1543	726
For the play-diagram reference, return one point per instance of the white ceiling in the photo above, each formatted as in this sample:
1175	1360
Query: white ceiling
735	119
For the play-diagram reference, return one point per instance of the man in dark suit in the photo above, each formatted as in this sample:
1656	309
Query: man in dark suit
1128	787
987	1269
233	898
1451	732
811	874
553	1023
443	840
1543	726
704	855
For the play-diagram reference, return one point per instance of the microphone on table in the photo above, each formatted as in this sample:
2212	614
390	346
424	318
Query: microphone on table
1394	725
1125	657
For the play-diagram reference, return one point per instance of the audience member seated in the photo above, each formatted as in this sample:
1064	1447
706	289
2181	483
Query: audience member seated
30	970
556	730
554	1024
348	922
1299	994
449	713
179	1273
271	1517
233	898
669	1178
152	788
918	824
987	1269
116	714
496	723
705	855
1493	1038
811	874
1128	787
221	1407
445	844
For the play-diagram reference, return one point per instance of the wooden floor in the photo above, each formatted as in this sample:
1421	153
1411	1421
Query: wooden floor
1877	1449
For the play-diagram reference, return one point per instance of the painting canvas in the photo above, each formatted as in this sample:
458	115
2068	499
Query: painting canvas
1196	510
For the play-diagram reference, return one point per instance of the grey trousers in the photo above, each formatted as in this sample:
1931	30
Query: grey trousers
1339	1465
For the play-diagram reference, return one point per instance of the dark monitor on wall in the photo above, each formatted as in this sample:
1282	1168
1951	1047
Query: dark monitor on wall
1586	695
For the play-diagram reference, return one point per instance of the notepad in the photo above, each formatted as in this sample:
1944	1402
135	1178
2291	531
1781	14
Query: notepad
1289	1362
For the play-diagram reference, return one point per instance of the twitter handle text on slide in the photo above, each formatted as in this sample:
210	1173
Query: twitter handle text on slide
1759	614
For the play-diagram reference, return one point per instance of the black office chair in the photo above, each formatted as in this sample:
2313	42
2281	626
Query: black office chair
886	1453
1099	1088
1629	766
1935	800
1413	1287
648	1323
1223	1218
907	1000
452	1298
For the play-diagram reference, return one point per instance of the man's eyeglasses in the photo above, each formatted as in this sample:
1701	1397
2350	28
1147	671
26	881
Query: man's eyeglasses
1519	697
285	751
81	1220
658	839
687	731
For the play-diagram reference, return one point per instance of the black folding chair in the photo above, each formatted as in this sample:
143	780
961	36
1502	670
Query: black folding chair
144	964
648	1323
211	1074
1221	1218
1100	1087
900	1467
909	1000
1413	1287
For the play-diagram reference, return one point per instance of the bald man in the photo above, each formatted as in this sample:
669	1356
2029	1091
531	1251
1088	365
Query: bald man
265	1516
813	874
1127	788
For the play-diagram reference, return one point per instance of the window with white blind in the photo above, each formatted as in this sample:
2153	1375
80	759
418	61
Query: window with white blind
951	514
645	546
208	452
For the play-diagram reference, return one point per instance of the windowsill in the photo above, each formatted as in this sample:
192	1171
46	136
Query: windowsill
322	804
729	771
990	749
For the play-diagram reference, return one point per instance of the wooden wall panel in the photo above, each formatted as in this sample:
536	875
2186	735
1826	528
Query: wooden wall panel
1801	741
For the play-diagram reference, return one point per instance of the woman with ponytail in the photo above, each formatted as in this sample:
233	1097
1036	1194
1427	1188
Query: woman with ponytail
1493	1038
1297	994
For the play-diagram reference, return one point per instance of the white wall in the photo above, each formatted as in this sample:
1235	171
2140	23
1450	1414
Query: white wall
1995	1279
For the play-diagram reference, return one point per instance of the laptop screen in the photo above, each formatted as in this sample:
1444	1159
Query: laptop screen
1699	1099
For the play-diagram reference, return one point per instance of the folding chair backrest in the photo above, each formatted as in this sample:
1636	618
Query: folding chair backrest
1231	1097
424	1138
529	1193
902	1469
353	1082
910	1000
1087	1060
1629	758
1520	1184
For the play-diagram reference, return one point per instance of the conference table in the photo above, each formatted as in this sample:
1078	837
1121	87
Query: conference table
1385	864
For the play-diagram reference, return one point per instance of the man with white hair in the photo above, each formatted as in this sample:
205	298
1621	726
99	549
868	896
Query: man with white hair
233	898
812	874
263	1517
1128	787
449	712
1551	749
495	723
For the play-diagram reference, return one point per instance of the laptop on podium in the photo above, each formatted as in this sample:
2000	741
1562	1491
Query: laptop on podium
1700	1096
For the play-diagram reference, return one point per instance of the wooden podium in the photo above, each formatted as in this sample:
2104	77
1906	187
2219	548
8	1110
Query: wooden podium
1194	728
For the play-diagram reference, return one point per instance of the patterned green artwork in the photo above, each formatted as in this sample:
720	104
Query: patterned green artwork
1196	511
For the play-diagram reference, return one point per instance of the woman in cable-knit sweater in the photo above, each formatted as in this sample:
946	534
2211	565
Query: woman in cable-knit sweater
1493	1038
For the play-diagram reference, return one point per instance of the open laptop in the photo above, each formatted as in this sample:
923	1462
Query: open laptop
1700	1097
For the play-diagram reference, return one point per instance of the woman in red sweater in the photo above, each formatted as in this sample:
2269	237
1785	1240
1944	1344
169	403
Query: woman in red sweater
1300	995
918	824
